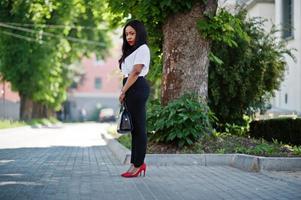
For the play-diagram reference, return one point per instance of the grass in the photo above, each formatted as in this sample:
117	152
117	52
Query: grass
11	124
35	122
112	129
125	139
43	122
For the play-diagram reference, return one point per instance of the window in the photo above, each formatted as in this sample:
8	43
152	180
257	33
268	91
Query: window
287	18
97	83
73	85
99	62
285	98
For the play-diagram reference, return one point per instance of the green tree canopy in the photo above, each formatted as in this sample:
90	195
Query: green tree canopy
156	14
39	39
246	63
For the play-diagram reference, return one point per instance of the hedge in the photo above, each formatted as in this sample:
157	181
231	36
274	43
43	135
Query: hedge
286	130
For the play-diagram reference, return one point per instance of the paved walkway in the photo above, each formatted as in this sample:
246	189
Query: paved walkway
73	163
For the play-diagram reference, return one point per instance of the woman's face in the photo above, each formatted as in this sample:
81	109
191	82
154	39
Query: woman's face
130	35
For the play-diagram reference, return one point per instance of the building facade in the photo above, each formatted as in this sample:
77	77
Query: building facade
99	87
286	15
9	102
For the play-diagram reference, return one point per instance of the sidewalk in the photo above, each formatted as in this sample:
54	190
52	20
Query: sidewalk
74	162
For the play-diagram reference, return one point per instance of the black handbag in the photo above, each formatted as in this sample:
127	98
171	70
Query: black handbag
124	122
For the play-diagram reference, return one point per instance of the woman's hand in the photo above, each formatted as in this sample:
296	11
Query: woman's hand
121	97
133	76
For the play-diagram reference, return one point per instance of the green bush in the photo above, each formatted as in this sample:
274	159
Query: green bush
181	122
286	130
239	130
53	120
247	65
259	149
42	121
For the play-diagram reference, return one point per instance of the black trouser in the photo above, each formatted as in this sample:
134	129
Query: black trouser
135	99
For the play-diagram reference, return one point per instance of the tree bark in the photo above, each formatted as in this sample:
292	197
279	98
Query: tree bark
185	54
41	111
33	110
26	108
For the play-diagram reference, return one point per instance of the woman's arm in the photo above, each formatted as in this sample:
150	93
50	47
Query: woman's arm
133	76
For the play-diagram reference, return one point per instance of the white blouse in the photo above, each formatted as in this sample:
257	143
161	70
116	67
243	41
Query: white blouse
140	56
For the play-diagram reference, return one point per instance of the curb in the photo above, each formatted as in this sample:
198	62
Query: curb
241	161
120	152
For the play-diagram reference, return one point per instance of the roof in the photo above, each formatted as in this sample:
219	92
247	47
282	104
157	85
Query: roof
242	2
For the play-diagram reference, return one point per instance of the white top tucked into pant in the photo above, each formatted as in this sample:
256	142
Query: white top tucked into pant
140	56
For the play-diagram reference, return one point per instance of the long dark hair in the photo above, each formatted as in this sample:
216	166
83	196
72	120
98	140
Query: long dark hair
141	38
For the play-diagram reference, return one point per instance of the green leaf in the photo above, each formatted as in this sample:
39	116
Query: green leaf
42	71
178	124
215	59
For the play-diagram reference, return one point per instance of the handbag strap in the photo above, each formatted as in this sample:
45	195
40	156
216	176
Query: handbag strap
123	107
124	104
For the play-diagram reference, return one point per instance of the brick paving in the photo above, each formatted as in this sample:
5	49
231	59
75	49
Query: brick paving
73	162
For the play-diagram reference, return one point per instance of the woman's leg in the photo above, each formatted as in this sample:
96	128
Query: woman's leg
139	134
139	138
133	148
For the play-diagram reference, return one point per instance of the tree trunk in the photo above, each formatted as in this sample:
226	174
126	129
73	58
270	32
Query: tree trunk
185	54
26	108
34	110
42	111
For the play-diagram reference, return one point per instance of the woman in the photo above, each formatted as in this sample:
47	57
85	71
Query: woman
134	64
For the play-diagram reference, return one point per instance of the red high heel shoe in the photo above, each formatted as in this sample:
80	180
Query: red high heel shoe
141	169
126	173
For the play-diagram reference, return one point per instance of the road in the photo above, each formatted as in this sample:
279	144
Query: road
73	162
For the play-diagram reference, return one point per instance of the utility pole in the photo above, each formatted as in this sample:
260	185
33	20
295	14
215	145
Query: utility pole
3	98
4	109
